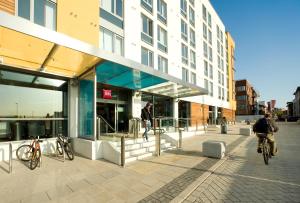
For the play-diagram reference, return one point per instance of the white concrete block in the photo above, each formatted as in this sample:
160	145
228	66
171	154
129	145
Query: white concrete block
245	131
215	149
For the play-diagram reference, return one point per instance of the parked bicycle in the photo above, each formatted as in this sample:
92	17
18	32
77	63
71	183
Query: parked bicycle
63	145
265	147
31	153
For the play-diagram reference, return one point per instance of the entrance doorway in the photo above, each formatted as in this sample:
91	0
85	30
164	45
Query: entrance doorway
113	116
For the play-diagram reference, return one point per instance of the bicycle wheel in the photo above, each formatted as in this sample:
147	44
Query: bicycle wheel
59	147
24	152
265	153
69	151
35	160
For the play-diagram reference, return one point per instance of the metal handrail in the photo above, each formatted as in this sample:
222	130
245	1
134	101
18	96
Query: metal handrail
99	116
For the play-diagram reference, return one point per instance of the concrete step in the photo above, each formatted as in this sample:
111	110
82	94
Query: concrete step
138	157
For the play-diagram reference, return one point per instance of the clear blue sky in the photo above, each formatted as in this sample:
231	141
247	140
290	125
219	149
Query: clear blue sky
267	37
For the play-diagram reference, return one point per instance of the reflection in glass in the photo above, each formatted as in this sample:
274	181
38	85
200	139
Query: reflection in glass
86	106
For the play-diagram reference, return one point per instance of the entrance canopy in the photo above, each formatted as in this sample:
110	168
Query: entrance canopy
29	46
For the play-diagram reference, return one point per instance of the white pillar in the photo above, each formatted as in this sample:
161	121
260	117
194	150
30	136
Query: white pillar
73	108
175	108
136	104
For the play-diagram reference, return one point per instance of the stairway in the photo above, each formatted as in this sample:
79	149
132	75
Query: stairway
137	149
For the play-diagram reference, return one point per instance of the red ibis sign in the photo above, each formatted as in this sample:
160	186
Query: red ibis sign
106	94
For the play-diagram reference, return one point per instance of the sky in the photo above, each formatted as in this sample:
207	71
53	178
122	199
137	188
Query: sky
267	38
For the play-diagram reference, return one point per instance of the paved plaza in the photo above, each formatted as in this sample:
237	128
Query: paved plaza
177	176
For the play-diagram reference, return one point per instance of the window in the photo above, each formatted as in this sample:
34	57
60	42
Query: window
241	106
211	73
44	12
219	93
192	38
147	4
210	54
192	16
193	59
110	41
206	84
241	88
219	62
209	37
162	39
221	50
193	78
206	68
162	64
241	97
218	46
211	92
147	32
113	6
147	57
185	75
222	64
183	7
221	36
209	19
204	13
204	31
205	49
223	94
219	77
228	95
218	32
184	30
222	79
184	54
162	11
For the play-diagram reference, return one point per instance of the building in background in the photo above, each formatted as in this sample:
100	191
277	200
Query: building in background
296	103
290	109
246	98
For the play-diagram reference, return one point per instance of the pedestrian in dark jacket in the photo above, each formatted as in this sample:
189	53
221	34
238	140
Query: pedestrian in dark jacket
146	119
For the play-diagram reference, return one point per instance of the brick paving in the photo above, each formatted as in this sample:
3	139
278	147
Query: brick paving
245	178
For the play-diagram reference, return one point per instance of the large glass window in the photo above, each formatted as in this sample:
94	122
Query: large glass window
183	7
204	14
193	59
162	39
147	29
32	105
206	84
206	68
162	11
209	37
162	64
211	73
192	38
113	6
184	54
184	30
192	16
205	49
147	57
110	41
211	89
44	12
204	31
209	19
193	78
210	56
185	75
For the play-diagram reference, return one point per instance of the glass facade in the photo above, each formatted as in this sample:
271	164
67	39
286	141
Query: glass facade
31	106
86	106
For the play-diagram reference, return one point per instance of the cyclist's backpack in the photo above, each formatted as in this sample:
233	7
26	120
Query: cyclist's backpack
262	126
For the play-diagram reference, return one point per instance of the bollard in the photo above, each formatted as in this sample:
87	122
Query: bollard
123	151
158	142
10	157
180	138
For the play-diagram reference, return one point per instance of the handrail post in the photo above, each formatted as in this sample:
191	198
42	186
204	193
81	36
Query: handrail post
10	157
123	151
158	139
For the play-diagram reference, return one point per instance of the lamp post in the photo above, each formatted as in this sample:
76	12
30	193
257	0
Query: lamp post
17	109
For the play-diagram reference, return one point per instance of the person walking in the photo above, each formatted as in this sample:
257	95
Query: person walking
146	119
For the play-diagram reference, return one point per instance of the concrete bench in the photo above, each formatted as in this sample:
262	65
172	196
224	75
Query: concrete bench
214	149
245	131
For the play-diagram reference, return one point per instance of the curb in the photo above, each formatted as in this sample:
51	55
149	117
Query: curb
192	187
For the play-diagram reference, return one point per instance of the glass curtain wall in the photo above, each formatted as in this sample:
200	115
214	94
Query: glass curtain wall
87	105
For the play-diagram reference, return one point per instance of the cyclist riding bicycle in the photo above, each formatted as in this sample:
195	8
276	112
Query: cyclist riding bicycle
267	126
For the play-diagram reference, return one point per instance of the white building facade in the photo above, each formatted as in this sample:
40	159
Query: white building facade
185	39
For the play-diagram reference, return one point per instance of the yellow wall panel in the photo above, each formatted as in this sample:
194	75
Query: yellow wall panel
79	19
231	47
